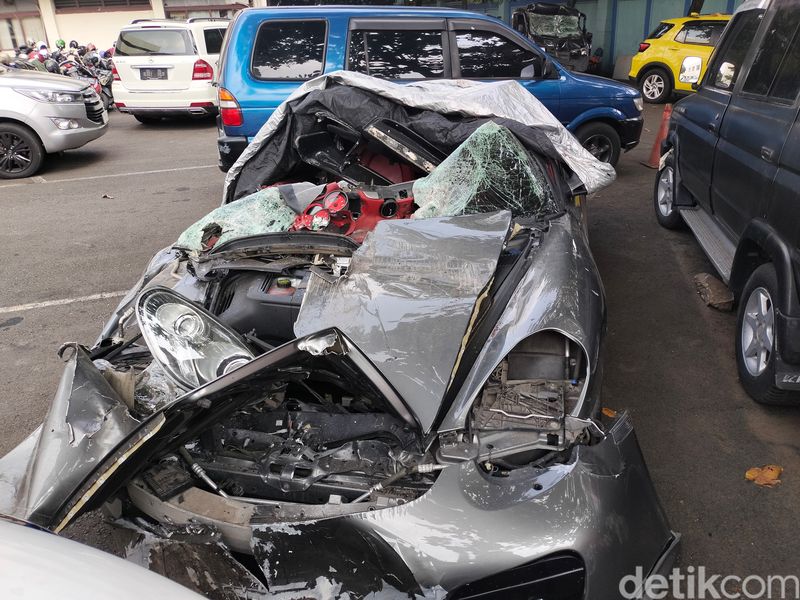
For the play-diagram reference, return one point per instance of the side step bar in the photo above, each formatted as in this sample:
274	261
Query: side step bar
717	246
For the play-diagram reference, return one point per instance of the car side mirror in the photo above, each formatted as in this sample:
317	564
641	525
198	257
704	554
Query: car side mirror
549	70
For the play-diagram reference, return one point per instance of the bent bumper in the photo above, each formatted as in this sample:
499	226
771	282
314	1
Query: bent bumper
470	530
630	130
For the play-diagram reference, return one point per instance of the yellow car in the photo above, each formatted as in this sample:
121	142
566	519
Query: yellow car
675	55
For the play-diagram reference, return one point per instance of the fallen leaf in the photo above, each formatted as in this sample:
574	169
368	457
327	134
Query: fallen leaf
609	412
107	196
767	476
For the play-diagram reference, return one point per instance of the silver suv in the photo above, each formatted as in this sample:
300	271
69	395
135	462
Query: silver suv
44	113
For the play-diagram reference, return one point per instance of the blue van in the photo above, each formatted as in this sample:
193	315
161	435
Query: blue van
269	52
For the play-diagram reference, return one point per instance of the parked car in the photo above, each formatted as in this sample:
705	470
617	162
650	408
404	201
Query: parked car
166	68
731	171
375	367
38	565
42	113
269	52
675	55
558	30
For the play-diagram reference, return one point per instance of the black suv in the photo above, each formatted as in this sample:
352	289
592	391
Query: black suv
730	169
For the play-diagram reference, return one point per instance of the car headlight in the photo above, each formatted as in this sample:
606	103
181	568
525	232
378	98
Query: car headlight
55	96
190	344
638	103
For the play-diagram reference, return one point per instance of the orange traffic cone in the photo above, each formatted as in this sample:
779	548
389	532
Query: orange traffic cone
655	153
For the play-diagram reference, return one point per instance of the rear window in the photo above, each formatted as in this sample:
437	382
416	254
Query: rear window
703	34
289	50
154	42
213	39
660	30
403	54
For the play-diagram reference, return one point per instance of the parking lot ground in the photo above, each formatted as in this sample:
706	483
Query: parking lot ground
668	358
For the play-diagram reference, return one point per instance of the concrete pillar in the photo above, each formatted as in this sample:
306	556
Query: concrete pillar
158	9
48	14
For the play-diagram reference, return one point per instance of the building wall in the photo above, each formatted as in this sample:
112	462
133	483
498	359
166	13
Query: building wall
99	28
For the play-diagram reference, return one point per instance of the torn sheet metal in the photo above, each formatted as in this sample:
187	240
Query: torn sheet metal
407	299
501	101
562	292
85	423
197	560
488	172
333	558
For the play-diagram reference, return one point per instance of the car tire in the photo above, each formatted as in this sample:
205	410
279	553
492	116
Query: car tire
147	120
106	101
756	339
21	152
601	140
664	196
656	86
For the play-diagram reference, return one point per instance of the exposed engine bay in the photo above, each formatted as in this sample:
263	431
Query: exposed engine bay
320	439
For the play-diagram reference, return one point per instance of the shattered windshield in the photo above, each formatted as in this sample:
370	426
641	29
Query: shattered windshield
488	172
555	25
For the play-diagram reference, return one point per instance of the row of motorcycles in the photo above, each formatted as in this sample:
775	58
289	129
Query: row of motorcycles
80	62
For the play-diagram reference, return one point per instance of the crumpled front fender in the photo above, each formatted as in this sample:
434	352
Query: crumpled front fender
87	421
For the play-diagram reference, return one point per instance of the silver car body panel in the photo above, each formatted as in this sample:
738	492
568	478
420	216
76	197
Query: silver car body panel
408	297
39	115
561	292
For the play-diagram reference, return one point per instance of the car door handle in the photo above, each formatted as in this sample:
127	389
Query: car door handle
767	154
712	127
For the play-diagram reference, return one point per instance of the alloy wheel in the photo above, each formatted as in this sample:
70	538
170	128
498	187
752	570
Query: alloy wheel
664	192
758	334
600	147
653	86
15	153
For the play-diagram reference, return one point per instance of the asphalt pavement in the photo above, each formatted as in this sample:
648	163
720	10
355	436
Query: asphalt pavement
79	234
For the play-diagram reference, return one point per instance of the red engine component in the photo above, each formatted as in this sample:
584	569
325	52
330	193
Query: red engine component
353	213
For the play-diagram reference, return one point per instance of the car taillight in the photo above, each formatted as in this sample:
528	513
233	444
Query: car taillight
229	110
643	46
202	70
114	72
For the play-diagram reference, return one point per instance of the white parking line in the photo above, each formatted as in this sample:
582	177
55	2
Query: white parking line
61	302
41	180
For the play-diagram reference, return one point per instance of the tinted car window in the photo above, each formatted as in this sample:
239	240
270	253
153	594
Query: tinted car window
213	39
704	34
486	55
660	30
397	54
774	49
729	58
154	42
289	50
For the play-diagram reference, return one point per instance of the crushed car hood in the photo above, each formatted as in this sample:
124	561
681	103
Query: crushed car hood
408	298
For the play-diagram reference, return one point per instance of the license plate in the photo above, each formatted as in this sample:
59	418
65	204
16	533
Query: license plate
152	74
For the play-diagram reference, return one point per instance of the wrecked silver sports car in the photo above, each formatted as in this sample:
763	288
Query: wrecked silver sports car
374	371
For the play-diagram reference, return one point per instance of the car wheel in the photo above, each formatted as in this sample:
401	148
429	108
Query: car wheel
756	339
146	120
655	86
21	152
664	196
601	140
